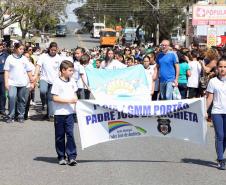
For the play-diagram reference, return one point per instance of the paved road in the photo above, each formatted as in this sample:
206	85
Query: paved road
72	41
27	157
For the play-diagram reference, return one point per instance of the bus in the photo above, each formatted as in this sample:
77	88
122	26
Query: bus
108	37
96	29
61	30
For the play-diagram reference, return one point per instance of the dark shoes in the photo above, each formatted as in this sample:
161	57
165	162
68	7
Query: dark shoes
50	118
3	113
10	120
20	120
221	165
72	162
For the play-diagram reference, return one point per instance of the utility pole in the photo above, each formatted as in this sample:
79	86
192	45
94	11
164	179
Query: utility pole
157	26
187	40
156	8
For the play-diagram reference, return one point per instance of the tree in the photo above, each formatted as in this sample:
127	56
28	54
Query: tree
8	13
30	13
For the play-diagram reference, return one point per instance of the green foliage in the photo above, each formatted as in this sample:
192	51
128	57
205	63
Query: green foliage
135	12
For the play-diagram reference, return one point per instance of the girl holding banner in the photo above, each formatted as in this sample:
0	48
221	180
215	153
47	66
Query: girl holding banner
216	93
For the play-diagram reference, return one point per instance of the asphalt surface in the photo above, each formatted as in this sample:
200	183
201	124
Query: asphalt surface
28	157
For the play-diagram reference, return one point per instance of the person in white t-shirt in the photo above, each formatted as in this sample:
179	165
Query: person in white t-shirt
17	68
83	89
149	71
216	93
64	98
110	62
193	80
49	64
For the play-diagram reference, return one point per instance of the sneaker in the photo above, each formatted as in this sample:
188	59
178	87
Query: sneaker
9	120
50	118
62	162
221	165
72	162
3	113
20	120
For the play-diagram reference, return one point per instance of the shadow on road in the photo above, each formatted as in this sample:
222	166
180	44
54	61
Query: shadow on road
130	161
200	162
89	40
46	159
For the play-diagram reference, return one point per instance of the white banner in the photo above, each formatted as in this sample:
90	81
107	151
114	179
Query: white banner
102	121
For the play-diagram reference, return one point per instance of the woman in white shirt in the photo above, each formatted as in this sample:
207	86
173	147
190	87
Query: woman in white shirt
216	93
49	64
16	69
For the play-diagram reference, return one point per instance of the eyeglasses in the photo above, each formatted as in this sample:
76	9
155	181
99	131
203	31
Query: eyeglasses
164	45
127	49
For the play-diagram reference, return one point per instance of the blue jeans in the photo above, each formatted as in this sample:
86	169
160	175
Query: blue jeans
17	95
219	122
46	97
2	94
166	90
64	125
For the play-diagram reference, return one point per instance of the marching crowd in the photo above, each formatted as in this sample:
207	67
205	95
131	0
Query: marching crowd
61	78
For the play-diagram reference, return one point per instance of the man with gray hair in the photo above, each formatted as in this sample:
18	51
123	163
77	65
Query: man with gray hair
168	69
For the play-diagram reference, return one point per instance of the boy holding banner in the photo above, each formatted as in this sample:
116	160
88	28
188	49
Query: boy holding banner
64	98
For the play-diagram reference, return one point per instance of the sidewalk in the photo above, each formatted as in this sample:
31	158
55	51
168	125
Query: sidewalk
43	45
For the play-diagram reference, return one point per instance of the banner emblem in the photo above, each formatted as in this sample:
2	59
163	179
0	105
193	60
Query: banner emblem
164	126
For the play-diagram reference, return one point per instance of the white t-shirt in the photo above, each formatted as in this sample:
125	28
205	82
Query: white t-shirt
66	90
149	76
17	68
114	64
33	73
218	88
49	67
80	83
195	68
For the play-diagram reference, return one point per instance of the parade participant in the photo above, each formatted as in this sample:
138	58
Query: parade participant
30	93
83	90
154	75
110	62
216	93
193	80
49	64
98	63
64	98
130	62
168	69
149	74
3	57
183	75
17	68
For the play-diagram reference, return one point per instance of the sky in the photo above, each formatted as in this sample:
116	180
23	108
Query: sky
70	13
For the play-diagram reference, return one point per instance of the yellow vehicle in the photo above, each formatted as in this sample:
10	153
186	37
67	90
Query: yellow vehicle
108	37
